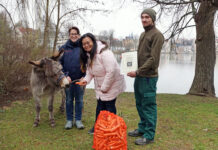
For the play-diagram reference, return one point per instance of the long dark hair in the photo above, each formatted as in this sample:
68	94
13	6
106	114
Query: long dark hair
83	55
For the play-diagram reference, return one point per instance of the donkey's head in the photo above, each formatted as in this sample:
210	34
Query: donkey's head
52	69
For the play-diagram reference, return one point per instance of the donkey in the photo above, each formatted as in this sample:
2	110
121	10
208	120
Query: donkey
47	78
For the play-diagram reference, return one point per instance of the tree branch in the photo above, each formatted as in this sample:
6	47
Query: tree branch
172	2
9	17
52	11
175	24
80	9
179	30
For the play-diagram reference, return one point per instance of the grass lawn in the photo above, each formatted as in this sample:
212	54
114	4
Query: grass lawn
184	123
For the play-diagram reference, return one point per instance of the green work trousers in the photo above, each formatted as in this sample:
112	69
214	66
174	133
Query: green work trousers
145	95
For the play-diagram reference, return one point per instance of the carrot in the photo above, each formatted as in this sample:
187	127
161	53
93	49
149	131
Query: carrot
110	129
79	83
110	132
116	147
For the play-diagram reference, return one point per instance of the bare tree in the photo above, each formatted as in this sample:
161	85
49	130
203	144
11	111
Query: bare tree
107	36
111	39
46	29
203	14
9	14
50	16
104	35
73	13
57	25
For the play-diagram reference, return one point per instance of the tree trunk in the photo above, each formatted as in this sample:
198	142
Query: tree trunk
203	83
46	32
57	26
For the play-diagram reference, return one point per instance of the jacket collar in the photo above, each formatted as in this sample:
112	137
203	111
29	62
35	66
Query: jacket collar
71	44
149	28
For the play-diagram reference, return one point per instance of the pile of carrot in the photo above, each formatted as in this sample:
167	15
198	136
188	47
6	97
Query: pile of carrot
110	132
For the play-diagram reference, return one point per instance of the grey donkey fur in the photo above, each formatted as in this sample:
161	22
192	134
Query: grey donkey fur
63	99
47	78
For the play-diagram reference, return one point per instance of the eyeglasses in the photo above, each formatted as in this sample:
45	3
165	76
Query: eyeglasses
74	34
86	43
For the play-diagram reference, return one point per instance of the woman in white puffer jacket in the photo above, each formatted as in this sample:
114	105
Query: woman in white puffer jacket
99	63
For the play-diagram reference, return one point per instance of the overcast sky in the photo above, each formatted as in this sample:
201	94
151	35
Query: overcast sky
123	20
126	20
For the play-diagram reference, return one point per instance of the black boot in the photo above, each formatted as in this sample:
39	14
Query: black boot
91	131
135	133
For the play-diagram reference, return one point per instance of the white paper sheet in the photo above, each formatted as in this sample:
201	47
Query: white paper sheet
129	62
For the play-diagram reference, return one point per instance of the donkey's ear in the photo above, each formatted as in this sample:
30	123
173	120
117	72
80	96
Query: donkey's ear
57	54
36	63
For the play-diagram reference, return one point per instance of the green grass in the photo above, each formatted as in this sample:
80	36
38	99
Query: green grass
184	123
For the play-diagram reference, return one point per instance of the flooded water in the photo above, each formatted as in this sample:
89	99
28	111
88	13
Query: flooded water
176	73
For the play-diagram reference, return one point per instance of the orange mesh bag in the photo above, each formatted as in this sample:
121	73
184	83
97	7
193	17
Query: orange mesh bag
110	132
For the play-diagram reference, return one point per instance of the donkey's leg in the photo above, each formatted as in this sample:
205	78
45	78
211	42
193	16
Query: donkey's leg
37	108
50	109
63	99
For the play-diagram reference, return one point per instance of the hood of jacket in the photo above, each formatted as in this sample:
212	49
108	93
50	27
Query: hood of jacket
101	46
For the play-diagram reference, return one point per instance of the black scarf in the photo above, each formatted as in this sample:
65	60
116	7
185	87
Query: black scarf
73	44
148	27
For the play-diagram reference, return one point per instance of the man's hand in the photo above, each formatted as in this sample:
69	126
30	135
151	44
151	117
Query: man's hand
132	74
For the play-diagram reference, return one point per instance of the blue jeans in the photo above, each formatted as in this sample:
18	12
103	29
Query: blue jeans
77	92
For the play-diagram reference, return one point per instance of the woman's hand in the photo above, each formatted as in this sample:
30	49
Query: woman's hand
104	91
69	79
82	82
